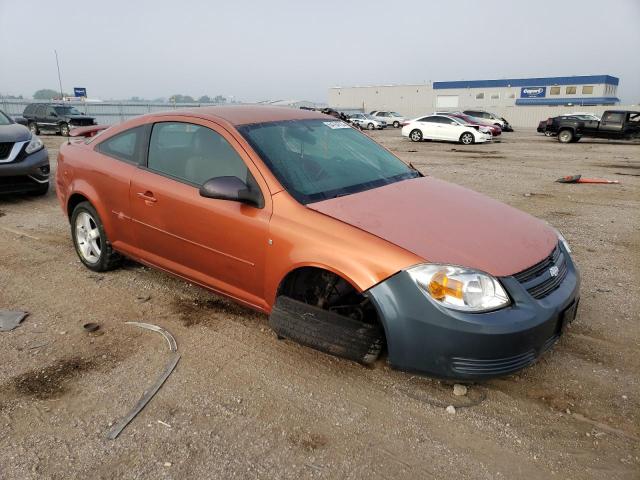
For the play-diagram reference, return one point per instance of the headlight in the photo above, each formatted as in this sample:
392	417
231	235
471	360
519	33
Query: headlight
34	145
459	288
563	241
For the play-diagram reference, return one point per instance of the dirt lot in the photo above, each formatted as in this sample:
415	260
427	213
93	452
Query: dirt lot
242	404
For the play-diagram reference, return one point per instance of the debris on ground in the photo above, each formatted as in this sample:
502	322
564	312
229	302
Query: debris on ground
580	179
450	409
91	327
459	390
150	392
10	319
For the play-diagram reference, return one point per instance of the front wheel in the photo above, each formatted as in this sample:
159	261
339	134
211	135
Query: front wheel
33	128
396	124
90	239
565	136
371	126
467	138
64	129
415	135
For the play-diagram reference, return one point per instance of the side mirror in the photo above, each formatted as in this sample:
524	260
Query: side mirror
232	189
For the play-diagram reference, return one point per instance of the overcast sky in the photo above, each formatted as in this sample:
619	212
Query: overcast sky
287	49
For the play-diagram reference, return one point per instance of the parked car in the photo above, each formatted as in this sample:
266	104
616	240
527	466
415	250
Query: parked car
56	118
444	127
615	124
348	249
589	115
362	120
548	128
19	119
469	120
492	117
390	118
24	162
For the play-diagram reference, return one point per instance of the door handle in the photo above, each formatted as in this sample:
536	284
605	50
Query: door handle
147	196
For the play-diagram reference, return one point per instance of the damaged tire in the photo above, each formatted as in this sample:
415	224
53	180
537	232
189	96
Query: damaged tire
321	310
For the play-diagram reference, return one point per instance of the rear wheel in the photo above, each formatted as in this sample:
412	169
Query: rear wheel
371	126
565	136
90	239
415	135
467	138
396	124
64	129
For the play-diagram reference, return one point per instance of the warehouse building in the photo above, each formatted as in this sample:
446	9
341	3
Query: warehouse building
491	95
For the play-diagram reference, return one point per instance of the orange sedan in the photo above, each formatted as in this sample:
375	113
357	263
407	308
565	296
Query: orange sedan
348	249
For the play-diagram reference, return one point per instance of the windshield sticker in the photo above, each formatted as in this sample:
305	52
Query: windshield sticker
337	124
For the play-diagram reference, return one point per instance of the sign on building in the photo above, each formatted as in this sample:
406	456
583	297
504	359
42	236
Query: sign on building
533	92
79	91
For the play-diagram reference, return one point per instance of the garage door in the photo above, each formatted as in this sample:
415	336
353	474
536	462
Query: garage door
447	101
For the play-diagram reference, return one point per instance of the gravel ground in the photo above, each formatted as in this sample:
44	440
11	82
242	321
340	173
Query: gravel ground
242	404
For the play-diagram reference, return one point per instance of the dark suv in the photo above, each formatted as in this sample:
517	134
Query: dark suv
57	118
24	162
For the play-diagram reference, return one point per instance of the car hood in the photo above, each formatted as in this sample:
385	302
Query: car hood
14	133
445	223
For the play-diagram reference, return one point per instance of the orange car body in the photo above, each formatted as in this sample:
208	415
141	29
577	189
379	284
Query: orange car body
370	239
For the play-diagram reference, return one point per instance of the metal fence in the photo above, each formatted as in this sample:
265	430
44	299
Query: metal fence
105	113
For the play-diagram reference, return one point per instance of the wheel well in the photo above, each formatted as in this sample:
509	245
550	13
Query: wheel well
330	291
73	202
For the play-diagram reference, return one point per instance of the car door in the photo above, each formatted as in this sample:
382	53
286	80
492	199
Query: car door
50	118
40	117
611	123
428	127
441	128
217	243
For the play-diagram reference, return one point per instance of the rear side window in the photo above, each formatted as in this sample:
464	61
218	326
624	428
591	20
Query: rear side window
40	110
193	153
124	146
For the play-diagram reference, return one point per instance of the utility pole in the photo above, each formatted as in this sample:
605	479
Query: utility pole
59	77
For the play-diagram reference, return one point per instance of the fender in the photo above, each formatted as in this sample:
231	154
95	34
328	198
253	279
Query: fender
82	187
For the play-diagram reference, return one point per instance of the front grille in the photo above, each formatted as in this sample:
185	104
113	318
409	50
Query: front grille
538	279
81	122
495	366
5	150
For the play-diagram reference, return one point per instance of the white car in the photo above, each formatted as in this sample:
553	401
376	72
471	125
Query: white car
362	120
390	118
587	115
443	127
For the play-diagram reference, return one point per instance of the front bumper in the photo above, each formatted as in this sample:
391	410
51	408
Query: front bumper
429	339
26	173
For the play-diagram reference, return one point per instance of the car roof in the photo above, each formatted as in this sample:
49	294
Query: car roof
238	115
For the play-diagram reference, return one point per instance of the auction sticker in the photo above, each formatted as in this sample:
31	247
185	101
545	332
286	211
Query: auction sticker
337	124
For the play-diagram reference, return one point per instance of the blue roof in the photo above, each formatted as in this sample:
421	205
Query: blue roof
566	100
529	82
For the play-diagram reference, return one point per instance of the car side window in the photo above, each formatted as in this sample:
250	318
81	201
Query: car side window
193	153
40	111
440	120
426	119
50	112
123	146
613	117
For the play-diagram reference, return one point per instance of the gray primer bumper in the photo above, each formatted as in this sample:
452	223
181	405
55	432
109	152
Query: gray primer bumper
25	173
426	338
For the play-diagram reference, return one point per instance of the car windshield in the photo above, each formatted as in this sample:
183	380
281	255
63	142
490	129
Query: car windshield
317	159
4	120
67	111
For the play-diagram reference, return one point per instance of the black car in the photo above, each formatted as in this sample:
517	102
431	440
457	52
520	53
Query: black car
24	162
56	118
614	125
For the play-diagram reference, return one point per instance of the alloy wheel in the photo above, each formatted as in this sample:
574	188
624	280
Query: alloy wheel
88	237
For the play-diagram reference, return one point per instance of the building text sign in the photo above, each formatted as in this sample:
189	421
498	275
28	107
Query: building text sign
533	92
